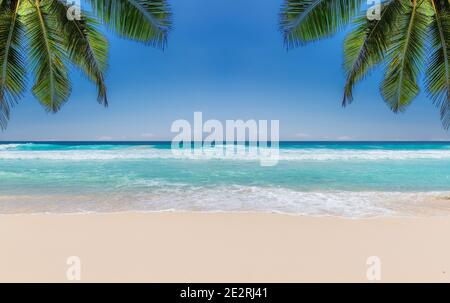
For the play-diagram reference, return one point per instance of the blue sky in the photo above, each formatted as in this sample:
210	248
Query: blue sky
228	61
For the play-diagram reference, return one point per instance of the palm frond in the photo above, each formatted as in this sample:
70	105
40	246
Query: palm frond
367	44
12	62
406	55
308	20
87	47
437	79
47	54
148	21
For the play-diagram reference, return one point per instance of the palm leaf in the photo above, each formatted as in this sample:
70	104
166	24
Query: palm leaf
12	64
406	56
308	20
148	21
366	45
87	47
438	68
52	87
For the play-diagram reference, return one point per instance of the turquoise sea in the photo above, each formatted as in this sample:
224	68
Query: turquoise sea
348	179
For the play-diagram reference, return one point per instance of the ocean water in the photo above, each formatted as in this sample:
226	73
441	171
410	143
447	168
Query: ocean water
347	179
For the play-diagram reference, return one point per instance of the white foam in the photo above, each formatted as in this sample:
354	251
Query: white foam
8	152
313	203
239	198
9	146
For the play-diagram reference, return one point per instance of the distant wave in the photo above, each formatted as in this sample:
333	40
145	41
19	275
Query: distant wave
10	146
114	152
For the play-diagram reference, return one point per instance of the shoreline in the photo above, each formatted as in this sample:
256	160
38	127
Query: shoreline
226	212
309	204
222	247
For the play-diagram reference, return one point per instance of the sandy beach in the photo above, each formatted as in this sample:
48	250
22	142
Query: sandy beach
228	247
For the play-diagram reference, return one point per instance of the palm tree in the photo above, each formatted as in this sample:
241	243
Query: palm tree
38	36
411	37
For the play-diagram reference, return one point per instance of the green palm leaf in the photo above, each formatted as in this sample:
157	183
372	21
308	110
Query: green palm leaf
399	40
308	20
12	65
54	42
406	56
47	54
366	45
438	67
86	46
142	20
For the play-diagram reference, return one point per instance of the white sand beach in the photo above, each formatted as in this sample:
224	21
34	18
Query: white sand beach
225	247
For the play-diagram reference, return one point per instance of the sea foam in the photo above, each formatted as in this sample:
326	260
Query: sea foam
20	152
239	199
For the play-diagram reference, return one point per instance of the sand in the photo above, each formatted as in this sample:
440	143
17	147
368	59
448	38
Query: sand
240	247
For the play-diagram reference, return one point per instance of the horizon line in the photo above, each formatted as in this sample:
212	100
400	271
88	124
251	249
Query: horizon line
168	141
